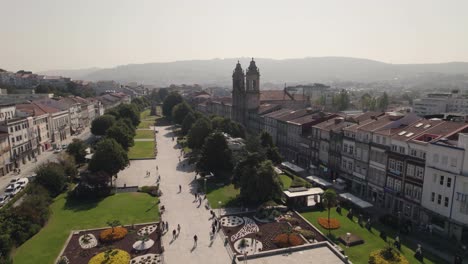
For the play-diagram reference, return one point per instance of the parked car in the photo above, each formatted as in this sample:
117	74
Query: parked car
14	180
12	189
3	200
23	182
64	146
58	150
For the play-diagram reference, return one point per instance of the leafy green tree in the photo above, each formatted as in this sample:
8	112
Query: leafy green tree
109	157
100	125
341	100
252	144
257	179
215	154
129	111
163	93
122	134
77	149
329	200
52	177
189	120
180	111
197	134
68	164
266	140
383	102
170	101
129	125
272	153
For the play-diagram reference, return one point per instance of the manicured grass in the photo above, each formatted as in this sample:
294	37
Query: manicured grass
145	114
44	247
147	134
360	253
286	180
141	150
145	124
217	191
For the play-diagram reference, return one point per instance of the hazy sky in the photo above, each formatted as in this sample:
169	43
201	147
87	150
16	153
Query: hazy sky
67	34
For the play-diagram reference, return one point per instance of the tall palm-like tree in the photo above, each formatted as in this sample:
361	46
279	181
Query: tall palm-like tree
329	200
113	224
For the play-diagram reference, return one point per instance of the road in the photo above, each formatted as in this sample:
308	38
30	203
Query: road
46	156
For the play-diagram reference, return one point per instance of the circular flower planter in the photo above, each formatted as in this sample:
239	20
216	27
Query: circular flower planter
251	246
148	258
231	221
147	230
87	241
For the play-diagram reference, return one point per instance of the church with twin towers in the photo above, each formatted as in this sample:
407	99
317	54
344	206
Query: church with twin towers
245	92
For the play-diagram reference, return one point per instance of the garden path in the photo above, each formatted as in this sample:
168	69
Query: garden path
181	209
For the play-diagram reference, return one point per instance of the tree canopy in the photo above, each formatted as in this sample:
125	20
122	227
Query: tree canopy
257	179
100	125
341	100
129	111
170	101
215	154
180	111
109	157
162	93
122	134
188	122
52	177
228	126
77	149
199	131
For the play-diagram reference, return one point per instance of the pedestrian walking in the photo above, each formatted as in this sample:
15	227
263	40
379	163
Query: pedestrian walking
178	229
180	188
199	202
174	234
157	167
195	239
167	226
213	229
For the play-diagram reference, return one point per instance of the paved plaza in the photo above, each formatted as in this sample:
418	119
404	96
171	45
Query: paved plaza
180	207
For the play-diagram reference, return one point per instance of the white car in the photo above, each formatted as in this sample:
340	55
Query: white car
57	150
23	182
3	200
12	189
14	180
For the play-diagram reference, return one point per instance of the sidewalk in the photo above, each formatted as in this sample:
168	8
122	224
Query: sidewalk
181	209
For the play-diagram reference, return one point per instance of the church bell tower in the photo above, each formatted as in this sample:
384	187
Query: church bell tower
253	87
238	94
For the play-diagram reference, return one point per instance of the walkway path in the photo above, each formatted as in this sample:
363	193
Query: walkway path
181	209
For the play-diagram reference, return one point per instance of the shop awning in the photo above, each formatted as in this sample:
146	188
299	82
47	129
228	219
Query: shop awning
292	167
355	200
319	181
302	192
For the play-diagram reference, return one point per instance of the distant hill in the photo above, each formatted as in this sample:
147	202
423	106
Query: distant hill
74	74
305	70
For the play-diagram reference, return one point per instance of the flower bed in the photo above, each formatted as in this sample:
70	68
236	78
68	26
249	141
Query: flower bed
287	240
77	255
377	257
114	256
334	223
110	235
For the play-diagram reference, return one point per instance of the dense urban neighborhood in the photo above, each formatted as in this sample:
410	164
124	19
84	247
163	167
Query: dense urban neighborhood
182	173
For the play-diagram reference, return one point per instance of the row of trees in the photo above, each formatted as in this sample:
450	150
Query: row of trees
373	103
19	223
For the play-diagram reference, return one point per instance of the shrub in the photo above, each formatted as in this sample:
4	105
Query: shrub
109	235
287	240
387	256
114	256
334	223
307	233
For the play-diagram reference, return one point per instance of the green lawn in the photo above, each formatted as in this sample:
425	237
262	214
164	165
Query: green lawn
141	150
218	191
44	247
145	124
286	180
360	253
148	134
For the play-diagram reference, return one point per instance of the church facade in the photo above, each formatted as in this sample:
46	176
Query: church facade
245	93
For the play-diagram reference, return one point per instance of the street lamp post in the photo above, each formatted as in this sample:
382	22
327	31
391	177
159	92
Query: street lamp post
205	185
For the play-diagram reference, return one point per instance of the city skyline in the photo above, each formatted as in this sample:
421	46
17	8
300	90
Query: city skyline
50	35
